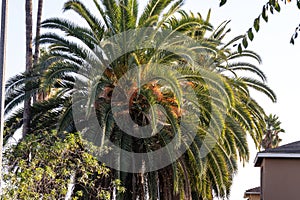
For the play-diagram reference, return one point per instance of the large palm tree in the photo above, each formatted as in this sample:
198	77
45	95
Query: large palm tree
226	111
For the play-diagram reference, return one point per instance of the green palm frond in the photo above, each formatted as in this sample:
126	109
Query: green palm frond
15	90
245	53
153	8
261	87
113	13
93	22
220	32
248	67
72	29
188	24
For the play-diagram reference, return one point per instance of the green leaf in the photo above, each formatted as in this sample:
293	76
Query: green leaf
277	7
250	34
245	42
272	2
264	14
240	48
271	10
298	3
222	2
256	24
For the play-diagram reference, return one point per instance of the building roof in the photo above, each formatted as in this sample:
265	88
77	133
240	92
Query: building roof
252	191
255	190
291	150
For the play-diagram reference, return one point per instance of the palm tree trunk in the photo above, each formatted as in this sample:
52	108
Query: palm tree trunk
166	183
4	14
37	42
27	101
38	32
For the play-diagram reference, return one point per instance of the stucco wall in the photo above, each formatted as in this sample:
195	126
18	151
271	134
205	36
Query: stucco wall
281	179
253	197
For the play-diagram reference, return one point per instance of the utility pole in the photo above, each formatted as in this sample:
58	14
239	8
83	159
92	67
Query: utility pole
4	13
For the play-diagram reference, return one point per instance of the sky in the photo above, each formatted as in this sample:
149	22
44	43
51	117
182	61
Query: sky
280	60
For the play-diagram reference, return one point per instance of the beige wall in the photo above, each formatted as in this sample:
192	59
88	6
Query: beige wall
280	179
253	197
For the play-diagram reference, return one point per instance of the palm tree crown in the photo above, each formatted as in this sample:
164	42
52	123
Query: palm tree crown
271	138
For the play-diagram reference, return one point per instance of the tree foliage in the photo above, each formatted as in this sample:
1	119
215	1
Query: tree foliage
42	166
71	55
271	7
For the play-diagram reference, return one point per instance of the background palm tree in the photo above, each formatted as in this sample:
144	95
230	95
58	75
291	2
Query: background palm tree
37	43
191	176
271	138
38	31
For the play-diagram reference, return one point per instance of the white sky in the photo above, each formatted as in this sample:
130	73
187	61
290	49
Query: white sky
280	59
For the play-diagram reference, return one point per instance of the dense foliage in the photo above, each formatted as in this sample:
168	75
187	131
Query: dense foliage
40	167
225	118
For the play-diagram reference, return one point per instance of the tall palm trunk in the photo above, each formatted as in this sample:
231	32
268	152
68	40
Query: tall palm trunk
38	32
27	102
4	14
37	43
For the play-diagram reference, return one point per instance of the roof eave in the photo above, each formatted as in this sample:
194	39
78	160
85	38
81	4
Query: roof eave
252	193
260	156
257	160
